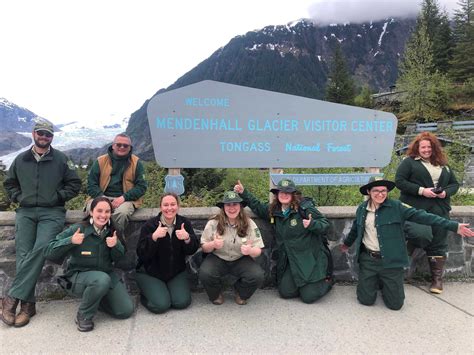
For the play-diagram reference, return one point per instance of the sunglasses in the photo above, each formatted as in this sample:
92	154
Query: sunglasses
44	134
122	145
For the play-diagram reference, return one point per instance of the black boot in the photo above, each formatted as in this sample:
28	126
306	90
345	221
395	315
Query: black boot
83	324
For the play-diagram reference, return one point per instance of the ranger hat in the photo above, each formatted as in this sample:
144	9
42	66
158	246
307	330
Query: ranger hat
43	126
376	181
230	197
284	185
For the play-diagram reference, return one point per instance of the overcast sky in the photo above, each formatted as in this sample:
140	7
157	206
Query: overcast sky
99	60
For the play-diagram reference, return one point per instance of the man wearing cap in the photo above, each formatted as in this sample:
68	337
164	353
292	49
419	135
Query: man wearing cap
40	180
118	175
377	233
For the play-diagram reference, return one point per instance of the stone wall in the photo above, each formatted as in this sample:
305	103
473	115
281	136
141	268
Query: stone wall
459	261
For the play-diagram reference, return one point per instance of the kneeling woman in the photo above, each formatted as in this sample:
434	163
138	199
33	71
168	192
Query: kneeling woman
233	241
304	265
93	247
380	242
164	242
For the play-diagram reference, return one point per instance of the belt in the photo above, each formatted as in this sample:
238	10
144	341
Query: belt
372	253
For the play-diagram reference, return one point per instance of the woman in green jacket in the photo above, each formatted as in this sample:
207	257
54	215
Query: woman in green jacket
426	182
303	260
377	233
92	248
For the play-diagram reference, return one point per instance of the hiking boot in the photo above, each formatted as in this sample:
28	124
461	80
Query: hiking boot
437	268
219	300
27	310
83	324
9	305
239	300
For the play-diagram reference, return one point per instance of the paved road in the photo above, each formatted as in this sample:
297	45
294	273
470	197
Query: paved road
268	324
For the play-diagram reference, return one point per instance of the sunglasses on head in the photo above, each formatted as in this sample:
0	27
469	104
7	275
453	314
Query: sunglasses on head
122	145
44	133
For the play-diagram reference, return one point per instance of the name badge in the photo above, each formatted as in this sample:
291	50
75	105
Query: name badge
86	253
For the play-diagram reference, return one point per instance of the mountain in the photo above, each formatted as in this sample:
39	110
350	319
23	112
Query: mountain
80	141
294	59
14	118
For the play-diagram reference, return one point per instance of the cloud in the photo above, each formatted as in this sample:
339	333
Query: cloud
325	12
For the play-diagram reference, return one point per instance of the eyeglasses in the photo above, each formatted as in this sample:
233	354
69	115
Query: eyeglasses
122	145
44	134
379	192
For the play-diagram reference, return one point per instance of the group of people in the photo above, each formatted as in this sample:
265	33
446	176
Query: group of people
41	180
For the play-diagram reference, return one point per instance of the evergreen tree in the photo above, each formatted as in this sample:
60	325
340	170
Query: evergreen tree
425	89
462	63
340	86
364	99
439	33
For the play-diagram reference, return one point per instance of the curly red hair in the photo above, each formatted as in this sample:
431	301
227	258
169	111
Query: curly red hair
438	156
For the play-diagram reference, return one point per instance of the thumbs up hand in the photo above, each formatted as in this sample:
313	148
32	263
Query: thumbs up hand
77	237
307	222
218	241
160	232
181	234
111	241
239	188
246	247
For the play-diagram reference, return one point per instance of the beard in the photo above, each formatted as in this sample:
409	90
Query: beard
43	144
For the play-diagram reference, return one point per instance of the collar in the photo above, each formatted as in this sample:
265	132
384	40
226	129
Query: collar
163	221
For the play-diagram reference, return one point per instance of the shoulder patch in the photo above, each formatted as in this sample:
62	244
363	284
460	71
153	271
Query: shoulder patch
257	233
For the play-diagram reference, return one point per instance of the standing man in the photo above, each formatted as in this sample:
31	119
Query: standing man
41	180
119	176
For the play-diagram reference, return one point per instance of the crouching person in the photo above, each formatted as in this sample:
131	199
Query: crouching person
380	243
233	241
92	248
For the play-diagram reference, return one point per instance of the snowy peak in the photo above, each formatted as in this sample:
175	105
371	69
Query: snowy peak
14	118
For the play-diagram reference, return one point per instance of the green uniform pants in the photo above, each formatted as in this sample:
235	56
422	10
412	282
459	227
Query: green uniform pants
249	275
371	275
159	296
34	228
437	243
98	288
308	293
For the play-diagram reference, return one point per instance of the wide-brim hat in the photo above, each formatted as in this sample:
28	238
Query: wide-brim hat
43	126
376	181
230	197
284	185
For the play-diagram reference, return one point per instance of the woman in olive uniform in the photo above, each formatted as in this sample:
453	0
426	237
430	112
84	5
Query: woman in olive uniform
233	241
426	182
165	241
93	247
377	233
303	260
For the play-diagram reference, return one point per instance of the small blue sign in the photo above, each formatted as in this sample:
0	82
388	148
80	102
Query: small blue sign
325	179
174	184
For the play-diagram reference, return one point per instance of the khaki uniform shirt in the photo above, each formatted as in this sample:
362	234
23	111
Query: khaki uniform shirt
232	242
433	170
370	239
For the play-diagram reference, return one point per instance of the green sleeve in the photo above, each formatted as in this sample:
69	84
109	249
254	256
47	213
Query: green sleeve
61	245
117	251
11	184
422	217
259	208
319	223
402	178
453	185
93	181
140	184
